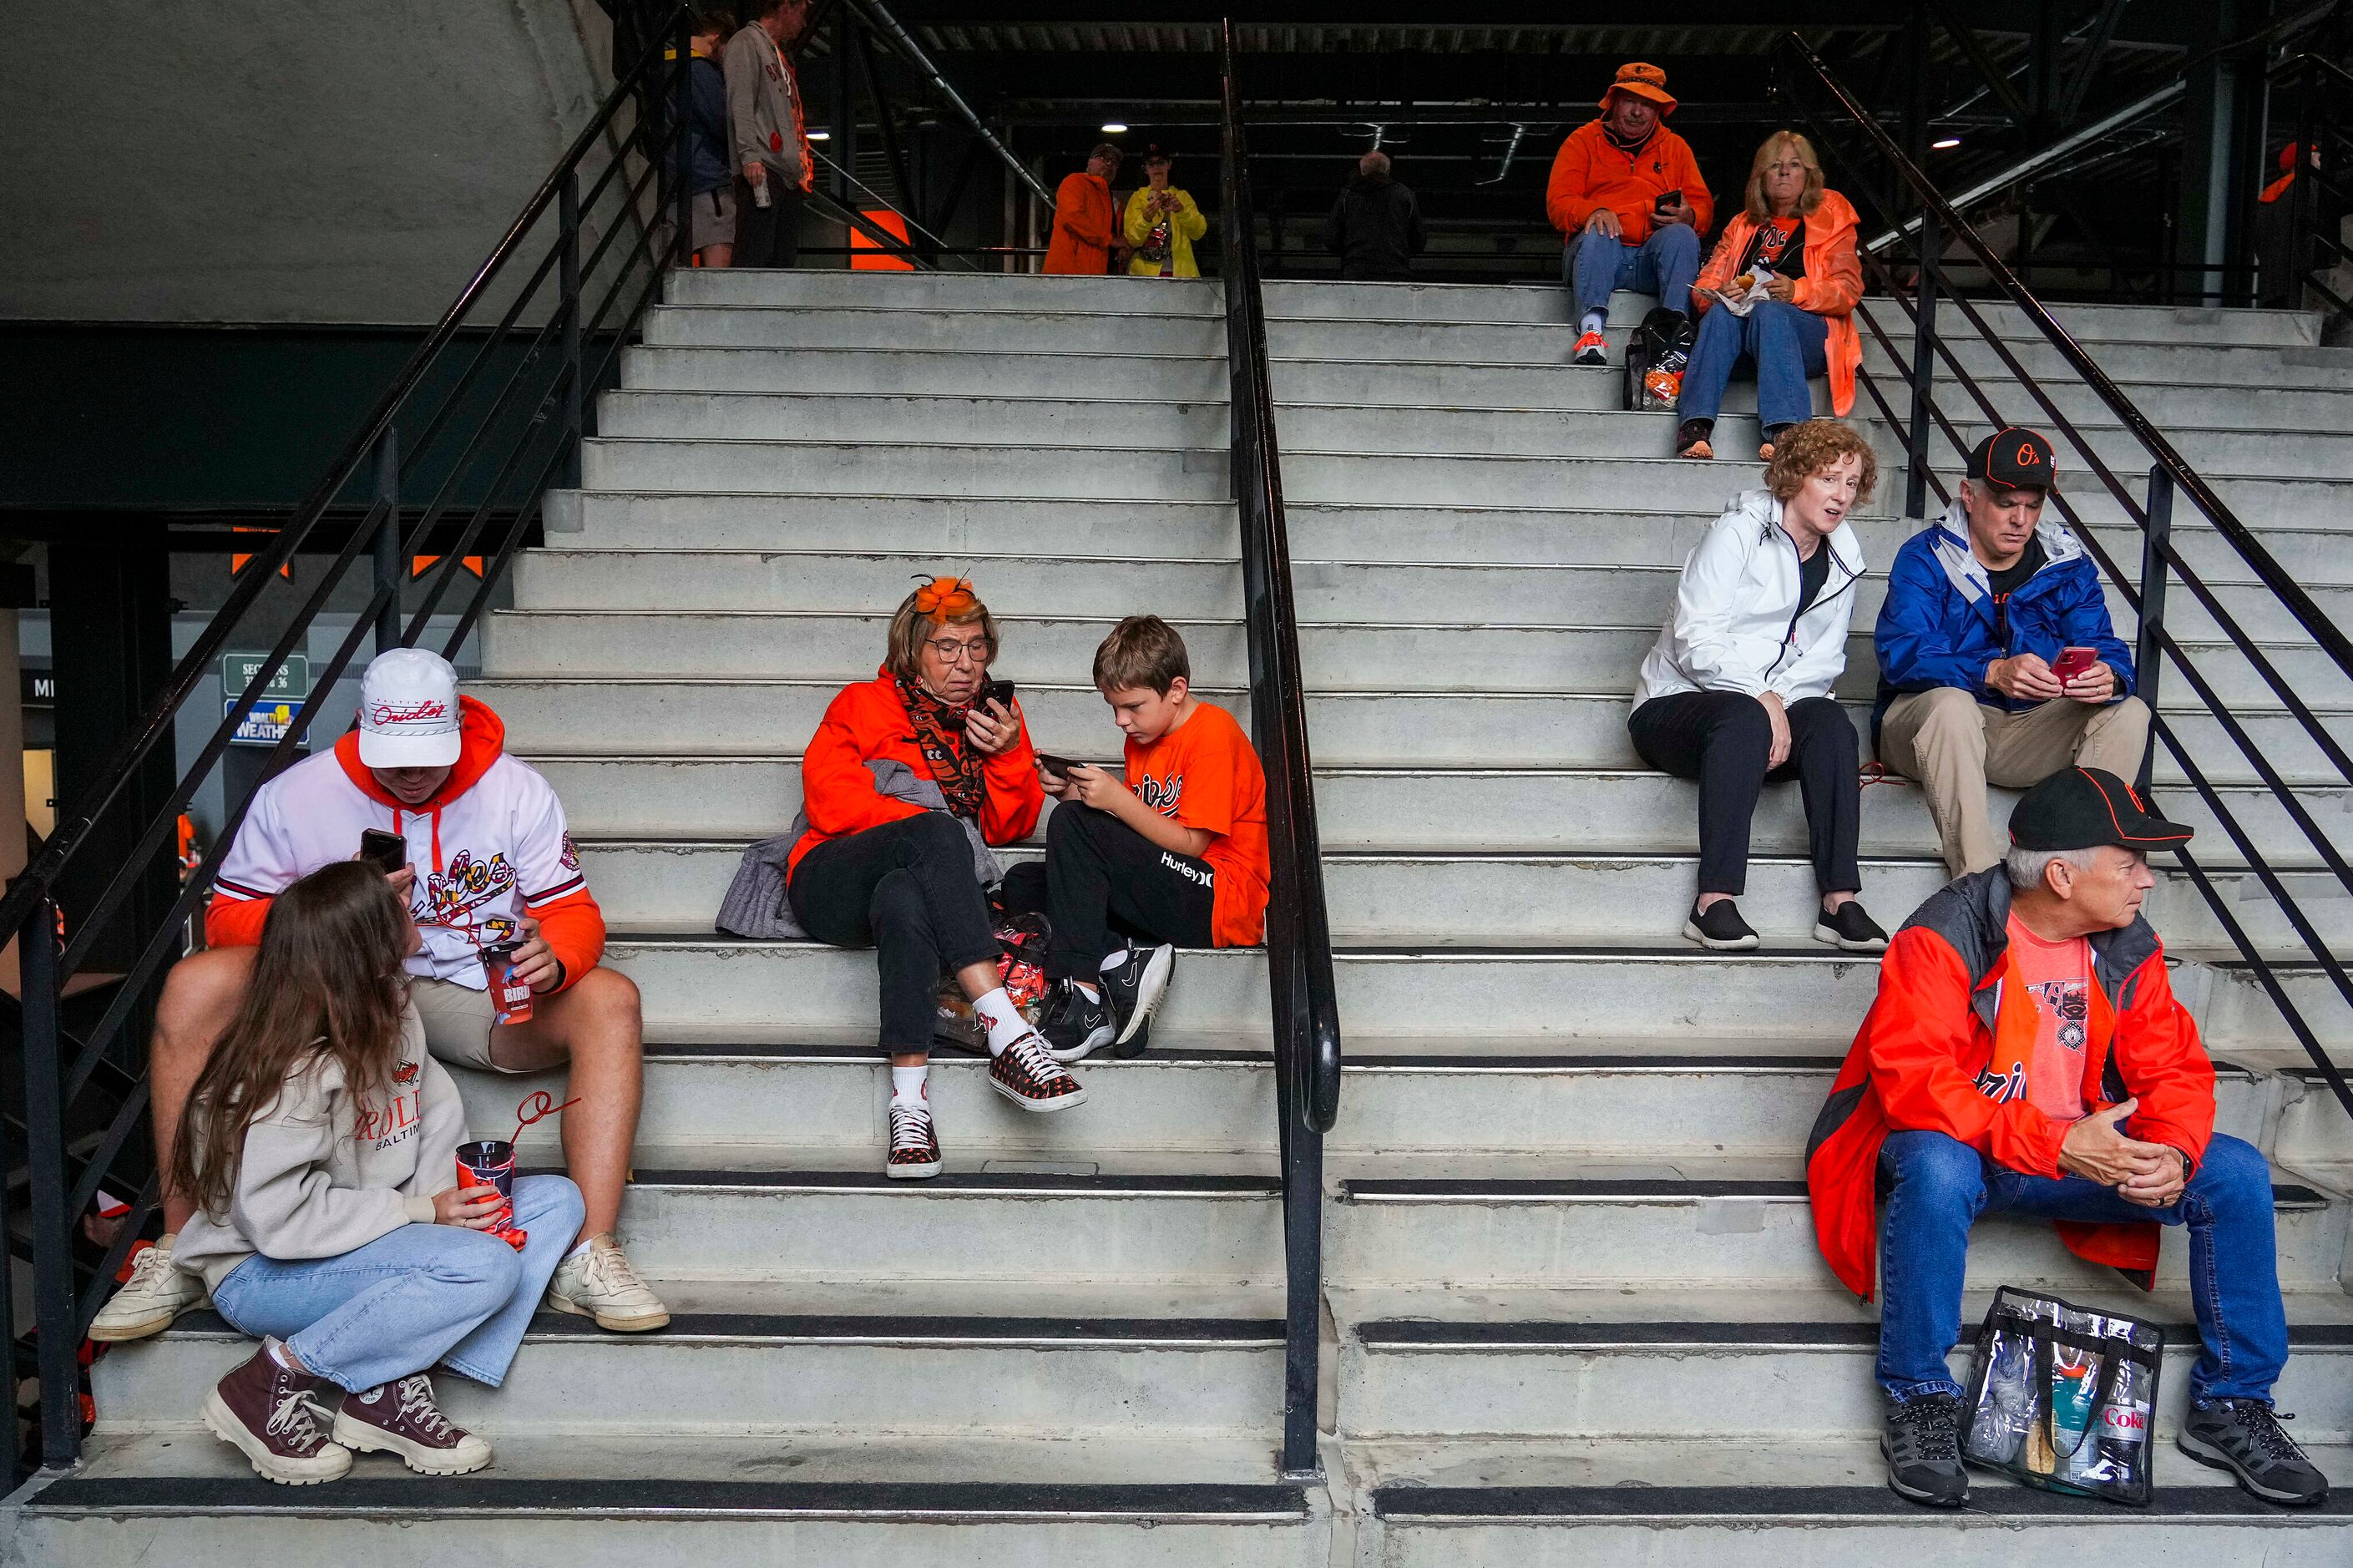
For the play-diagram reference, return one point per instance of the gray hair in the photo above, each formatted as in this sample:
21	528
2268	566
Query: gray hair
2026	866
1374	163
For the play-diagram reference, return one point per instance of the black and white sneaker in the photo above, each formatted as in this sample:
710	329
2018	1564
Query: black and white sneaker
1136	986
1847	928
2243	1437
915	1144
1075	1023
1720	927
1922	1444
1026	1073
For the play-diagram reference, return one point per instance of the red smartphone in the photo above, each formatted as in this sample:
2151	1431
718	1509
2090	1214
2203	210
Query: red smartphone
2074	662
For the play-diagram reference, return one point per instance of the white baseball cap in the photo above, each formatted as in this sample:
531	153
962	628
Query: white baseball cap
409	710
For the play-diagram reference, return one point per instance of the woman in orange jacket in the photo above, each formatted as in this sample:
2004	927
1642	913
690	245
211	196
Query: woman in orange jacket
882	871
1085	225
1797	242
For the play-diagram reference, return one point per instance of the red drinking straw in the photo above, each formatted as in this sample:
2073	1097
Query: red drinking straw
536	1106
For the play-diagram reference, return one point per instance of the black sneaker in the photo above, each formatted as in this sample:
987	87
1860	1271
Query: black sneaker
1026	1073
1921	1443
2243	1437
1849	928
1720	927
1692	439
915	1144
1135	986
1075	1023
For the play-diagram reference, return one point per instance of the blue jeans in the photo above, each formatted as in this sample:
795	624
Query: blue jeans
1941	1186
419	1294
1783	342
1666	265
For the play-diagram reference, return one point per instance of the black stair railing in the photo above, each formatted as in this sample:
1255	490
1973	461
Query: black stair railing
1298	930
1914	201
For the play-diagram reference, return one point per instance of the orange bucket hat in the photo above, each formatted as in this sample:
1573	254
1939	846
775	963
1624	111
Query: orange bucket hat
1643	80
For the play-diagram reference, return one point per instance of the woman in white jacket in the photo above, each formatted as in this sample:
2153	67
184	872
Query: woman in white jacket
1736	691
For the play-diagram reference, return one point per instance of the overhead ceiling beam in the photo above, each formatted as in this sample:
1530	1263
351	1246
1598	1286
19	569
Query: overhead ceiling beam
1995	76
2095	53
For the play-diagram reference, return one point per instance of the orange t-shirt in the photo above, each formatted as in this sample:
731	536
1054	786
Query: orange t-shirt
2057	976
1205	774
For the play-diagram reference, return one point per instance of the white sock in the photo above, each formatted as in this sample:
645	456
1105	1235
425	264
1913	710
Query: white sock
579	1250
1006	1024
908	1085
1115	958
1593	321
278	1353
1095	992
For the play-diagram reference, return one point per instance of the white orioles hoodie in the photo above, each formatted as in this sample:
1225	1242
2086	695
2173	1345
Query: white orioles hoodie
1734	626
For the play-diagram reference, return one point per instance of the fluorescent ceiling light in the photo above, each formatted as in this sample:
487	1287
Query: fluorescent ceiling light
1947	145
1114	129
819	135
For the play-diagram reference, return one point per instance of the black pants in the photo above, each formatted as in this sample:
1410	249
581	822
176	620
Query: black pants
1722	739
1101	876
767	235
905	889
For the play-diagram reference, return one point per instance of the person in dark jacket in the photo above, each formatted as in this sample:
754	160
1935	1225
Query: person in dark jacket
1375	225
1974	682
711	185
2026	1055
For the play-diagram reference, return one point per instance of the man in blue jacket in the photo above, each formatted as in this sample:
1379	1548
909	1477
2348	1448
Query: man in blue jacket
1982	605
709	181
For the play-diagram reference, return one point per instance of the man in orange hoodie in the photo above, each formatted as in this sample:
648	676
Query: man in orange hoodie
1627	197
485	862
1084	229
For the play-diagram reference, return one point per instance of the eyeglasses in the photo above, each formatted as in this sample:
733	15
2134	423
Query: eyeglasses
952	650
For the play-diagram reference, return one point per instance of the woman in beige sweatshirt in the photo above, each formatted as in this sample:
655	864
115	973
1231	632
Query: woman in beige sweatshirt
320	1148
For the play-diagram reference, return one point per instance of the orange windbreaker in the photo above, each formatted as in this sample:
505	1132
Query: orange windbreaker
1588	172
1942	1018
1084	226
571	924
1833	283
867	722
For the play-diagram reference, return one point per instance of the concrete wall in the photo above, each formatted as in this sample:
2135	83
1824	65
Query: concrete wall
251	160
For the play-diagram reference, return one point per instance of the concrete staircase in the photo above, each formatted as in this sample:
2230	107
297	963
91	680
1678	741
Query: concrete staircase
1574	1314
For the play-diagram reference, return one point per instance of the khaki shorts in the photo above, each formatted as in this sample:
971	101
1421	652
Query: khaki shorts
714	217
456	1021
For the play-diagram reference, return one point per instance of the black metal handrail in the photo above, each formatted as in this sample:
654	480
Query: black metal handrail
2169	476
1298	928
497	435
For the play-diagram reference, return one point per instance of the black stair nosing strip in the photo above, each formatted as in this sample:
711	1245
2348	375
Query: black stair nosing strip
411	1495
544	1325
1358	1059
1748	1507
1406	1333
2285	1194
1039	1182
674	1050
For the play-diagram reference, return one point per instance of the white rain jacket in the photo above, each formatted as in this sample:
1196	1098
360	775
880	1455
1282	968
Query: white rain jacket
1734	626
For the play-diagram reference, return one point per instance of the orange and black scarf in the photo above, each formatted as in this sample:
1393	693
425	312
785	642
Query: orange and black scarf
956	763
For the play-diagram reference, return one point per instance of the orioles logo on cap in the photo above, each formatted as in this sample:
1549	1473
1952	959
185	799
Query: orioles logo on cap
2027	457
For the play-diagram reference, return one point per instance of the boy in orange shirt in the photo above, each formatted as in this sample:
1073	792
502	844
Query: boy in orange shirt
1173	855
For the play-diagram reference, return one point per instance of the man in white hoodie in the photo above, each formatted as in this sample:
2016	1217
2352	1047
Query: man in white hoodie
1736	691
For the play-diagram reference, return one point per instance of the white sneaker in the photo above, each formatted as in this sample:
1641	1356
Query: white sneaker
600	1284
155	1293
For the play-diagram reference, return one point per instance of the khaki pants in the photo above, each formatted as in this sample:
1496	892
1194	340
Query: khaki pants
1955	745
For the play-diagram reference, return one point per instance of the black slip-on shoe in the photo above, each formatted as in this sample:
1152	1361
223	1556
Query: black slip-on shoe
1849	927
1720	927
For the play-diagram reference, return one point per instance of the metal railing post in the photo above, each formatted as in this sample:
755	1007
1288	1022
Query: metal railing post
1924	355
2147	653
387	539
682	247
57	1336
569	268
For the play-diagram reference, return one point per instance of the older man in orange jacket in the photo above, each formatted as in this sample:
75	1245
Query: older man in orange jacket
1626	196
1085	224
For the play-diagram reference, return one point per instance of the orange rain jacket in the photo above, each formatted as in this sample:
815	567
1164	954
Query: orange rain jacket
1833	283
1942	1017
867	722
1084	226
1589	172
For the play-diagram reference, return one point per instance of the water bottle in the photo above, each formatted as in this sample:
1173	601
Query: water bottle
2006	1409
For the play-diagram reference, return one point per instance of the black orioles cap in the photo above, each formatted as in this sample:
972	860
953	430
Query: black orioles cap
2015	457
2082	808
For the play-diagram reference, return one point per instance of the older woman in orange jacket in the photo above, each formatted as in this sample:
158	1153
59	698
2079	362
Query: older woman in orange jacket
1797	240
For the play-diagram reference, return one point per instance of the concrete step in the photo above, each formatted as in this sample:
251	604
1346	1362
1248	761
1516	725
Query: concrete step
1038	329
1033	293
795	1378
2235	1006
1679	1223
618	1500
1501	730
861	469
1405	808
2309	453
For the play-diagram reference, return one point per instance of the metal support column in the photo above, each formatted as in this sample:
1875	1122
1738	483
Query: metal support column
575	368
1924	365
387	539
2148	656
57	1336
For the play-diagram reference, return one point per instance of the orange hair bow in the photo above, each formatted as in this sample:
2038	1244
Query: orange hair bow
947	598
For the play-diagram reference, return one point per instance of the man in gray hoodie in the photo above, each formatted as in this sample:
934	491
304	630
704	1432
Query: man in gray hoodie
774	169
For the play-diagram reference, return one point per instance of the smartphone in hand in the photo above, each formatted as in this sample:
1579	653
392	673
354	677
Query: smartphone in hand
387	852
997	691
2074	662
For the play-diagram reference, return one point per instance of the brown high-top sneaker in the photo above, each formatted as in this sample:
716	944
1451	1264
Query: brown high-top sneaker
268	1413
403	1418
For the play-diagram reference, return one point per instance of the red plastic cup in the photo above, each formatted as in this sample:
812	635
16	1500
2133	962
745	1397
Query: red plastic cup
490	1163
510	996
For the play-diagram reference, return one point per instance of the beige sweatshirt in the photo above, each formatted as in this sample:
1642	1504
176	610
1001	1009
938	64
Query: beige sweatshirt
324	1172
